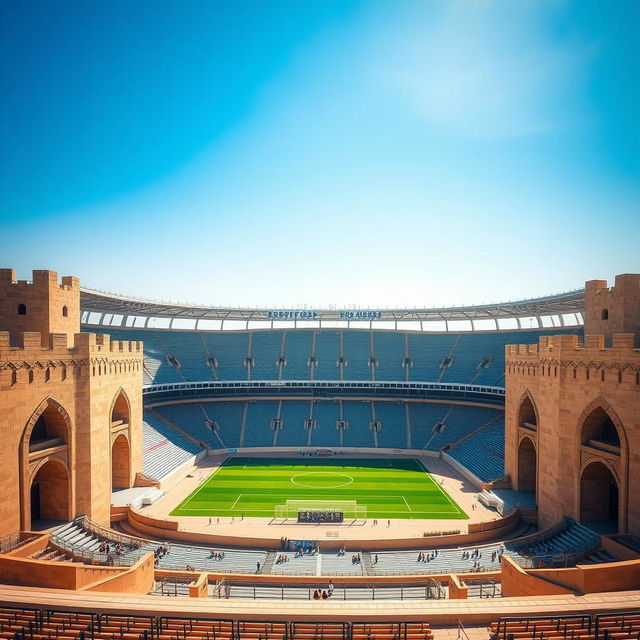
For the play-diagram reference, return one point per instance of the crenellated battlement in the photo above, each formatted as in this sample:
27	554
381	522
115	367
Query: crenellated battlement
611	310
83	345
564	346
42	279
44	304
553	353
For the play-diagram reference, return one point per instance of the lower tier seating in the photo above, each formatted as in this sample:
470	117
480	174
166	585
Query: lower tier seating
164	450
398	424
483	453
566	544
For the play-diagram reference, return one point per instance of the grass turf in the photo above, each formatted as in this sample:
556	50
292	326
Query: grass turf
254	486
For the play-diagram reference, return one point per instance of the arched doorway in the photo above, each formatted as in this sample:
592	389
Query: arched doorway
527	465
49	492
527	413
599	495
120	466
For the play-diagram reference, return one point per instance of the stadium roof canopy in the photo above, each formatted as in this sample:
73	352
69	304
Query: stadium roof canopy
558	310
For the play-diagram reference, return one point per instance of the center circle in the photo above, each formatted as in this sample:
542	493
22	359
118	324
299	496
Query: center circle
322	479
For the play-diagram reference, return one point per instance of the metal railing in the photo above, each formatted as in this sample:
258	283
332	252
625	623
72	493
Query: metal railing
429	590
109	534
13	541
563	625
621	622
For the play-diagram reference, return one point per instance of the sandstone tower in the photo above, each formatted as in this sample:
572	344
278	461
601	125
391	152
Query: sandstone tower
573	414
70	406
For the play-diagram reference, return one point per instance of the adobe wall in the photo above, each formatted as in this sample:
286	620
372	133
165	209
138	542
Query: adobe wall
138	578
515	581
565	381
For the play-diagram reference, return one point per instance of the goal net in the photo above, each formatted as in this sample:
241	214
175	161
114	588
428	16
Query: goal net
350	508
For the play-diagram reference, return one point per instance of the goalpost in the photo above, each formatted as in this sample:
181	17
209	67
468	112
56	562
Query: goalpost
350	508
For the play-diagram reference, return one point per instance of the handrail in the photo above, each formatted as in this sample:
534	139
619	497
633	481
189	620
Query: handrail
104	532
462	634
13	541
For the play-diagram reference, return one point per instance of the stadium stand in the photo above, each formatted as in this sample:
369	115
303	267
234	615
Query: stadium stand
225	420
564	545
601	626
174	356
164	450
436	425
32	624
483	453
81	542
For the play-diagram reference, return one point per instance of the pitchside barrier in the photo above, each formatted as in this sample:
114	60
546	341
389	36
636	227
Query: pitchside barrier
350	508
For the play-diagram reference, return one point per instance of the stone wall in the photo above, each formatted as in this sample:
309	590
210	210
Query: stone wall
574	388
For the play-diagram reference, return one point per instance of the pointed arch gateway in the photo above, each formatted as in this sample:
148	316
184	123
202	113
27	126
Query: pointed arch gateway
527	466
45	479
527	411
599	422
49	492
600	495
120	463
120	409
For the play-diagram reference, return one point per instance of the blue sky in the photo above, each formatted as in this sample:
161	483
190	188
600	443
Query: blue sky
278	153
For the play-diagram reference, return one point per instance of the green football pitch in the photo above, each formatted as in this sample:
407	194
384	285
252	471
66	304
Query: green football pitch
399	488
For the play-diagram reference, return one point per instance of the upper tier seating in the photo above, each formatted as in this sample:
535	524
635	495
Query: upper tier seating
163	449
325	354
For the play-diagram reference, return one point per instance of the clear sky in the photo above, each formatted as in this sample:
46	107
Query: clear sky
275	153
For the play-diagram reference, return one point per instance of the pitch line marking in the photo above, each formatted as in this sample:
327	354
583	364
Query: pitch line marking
330	473
373	511
446	495
405	501
202	485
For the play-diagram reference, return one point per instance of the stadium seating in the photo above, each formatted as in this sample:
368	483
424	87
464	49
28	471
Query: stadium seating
258	431
459	421
22	623
174	356
393	423
357	352
164	450
325	415
483	453
75	538
601	626
564	545
265	349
